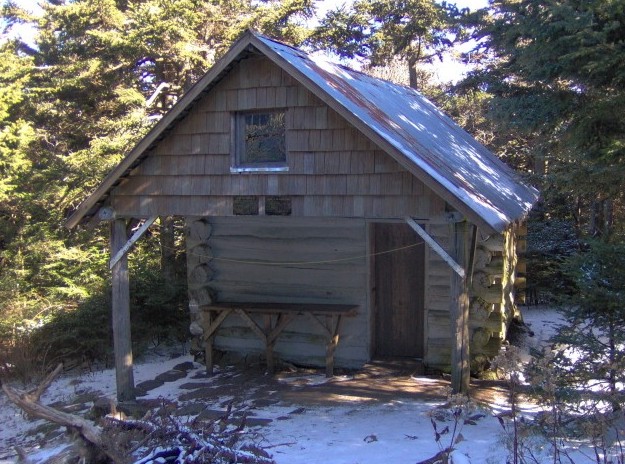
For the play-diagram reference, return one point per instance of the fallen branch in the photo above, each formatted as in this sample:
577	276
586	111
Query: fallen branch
166	438
35	394
29	402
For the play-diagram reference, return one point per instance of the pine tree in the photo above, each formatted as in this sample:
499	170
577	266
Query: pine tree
417	31
99	74
555	70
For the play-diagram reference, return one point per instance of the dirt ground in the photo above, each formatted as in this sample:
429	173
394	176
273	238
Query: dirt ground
376	382
185	390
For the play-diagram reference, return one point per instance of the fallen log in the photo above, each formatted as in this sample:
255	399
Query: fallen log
28	401
165	437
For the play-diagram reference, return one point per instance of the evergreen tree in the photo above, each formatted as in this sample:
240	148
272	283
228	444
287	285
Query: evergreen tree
556	70
417	31
71	105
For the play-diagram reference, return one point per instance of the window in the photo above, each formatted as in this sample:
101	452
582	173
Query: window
277	206
260	140
250	205
245	206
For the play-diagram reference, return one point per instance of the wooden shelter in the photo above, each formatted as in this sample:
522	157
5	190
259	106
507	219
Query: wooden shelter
331	217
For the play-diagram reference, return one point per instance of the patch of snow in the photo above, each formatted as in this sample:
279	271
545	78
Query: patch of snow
457	457
356	431
373	434
544	322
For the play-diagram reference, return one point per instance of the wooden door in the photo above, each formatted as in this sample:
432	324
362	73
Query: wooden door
398	268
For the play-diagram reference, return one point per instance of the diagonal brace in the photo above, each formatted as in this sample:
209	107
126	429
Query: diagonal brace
131	241
458	269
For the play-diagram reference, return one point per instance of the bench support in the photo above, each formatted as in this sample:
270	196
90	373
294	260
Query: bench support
209	336
277	316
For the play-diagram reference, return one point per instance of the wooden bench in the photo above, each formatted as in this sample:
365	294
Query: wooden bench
277	317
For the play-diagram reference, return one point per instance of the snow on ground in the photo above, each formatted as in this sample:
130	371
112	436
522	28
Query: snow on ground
543	321
397	431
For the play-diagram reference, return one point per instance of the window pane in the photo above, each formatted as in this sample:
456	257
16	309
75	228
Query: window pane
264	138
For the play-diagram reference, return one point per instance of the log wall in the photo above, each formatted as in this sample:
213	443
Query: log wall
492	302
282	260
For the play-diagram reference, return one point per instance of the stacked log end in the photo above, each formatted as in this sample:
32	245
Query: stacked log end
199	277
494	286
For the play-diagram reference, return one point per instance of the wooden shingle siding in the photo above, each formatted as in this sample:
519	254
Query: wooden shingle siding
333	169
324	261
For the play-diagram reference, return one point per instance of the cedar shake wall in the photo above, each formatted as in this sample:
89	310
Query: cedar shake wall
333	170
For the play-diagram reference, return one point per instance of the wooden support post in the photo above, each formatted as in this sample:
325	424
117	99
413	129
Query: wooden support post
122	342
462	241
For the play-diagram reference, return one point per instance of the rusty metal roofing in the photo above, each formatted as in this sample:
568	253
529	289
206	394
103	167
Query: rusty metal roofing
403	122
421	133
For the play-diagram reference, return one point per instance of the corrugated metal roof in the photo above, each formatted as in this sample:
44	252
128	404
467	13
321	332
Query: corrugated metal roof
402	121
424	135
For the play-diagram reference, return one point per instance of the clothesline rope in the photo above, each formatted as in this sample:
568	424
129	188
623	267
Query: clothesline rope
303	263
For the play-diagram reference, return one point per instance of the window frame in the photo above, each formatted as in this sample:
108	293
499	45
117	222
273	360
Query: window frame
238	161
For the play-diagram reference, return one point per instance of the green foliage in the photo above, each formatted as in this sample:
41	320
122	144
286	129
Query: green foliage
71	105
588	363
549	244
416	30
76	334
555	71
159	306
84	333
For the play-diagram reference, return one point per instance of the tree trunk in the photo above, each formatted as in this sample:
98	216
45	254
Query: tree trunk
593	214
608	216
168	249
412	73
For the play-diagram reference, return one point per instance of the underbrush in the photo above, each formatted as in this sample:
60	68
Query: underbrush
588	422
162	437
81	336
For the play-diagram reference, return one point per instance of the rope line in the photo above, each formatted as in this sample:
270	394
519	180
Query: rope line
303	263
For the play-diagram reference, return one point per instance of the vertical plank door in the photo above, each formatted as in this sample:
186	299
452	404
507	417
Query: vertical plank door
398	268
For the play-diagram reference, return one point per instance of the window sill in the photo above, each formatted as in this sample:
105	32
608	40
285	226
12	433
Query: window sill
257	169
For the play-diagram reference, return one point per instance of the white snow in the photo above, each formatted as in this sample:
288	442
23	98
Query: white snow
353	432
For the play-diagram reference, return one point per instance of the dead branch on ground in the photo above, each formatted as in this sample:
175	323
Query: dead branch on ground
28	401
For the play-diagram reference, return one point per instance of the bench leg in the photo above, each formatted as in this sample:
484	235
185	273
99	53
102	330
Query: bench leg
330	348
208	356
271	366
212	322
332	344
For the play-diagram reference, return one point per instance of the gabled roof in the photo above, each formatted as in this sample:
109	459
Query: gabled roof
397	118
